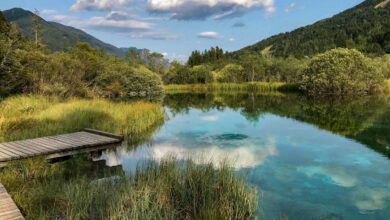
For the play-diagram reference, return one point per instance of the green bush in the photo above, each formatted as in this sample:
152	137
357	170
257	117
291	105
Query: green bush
341	71
231	73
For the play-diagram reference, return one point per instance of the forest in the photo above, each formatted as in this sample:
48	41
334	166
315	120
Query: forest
28	66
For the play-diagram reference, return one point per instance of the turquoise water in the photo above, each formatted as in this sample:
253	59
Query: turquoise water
309	158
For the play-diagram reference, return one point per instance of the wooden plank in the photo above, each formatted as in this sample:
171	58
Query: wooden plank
26	148
97	137
10	151
43	147
54	143
17	148
3	156
93	140
8	209
77	138
10	154
102	133
73	143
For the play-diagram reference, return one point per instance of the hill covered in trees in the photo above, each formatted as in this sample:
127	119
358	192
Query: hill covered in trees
51	32
365	27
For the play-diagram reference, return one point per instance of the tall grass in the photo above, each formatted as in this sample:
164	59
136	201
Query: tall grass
232	87
23	117
169	190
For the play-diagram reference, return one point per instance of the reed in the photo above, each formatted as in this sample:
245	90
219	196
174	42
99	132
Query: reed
233	87
165	190
23	117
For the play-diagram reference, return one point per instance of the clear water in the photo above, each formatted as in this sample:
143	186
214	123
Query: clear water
309	158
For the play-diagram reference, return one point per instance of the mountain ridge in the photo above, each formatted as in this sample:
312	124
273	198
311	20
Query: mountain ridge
365	27
51	32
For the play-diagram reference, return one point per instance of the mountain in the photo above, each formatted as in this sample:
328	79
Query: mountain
365	27
57	36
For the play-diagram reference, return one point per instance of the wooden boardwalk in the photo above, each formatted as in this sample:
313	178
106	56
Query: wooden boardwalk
8	209
58	145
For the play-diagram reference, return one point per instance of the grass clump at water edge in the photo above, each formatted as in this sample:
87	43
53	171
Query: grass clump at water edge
232	87
165	190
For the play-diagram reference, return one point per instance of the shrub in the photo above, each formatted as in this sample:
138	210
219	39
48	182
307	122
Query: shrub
231	73
341	71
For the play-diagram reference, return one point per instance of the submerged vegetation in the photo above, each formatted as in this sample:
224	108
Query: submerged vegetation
169	190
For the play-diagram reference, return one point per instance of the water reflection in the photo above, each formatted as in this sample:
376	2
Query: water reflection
311	158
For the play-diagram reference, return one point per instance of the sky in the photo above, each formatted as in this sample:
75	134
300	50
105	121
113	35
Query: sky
177	27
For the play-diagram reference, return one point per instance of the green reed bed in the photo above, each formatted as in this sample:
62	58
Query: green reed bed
23	117
168	190
225	87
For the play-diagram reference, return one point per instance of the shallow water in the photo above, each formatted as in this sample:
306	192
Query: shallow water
310	158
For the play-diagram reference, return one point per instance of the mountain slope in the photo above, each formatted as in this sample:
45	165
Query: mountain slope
365	27
57	36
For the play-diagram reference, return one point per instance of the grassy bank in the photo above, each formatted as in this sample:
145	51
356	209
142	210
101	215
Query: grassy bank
232	87
24	117
169	190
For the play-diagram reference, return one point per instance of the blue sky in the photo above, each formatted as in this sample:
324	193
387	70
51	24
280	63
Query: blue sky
177	27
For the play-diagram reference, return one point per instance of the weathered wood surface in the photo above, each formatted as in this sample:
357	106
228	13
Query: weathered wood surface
8	209
57	144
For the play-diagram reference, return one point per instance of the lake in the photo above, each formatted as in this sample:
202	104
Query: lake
310	158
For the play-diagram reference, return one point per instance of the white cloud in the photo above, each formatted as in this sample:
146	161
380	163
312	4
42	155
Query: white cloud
208	34
117	22
291	7
165	54
202	9
232	39
48	11
103	23
101	5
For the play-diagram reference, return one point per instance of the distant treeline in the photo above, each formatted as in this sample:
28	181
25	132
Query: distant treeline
344	70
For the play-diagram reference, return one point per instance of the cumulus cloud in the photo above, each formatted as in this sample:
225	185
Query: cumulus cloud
153	34
291	7
103	23
101	5
120	22
208	35
238	24
202	9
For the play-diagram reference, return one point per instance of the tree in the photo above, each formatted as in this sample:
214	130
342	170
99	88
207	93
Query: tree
341	71
37	26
